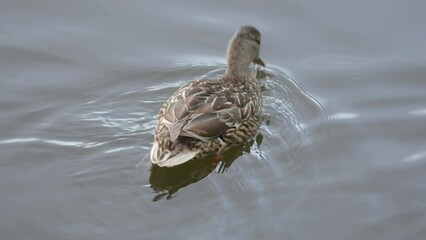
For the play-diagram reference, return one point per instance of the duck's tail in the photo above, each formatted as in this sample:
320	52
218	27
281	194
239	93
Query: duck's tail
169	158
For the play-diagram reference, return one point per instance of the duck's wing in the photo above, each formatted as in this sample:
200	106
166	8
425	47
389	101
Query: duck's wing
205	110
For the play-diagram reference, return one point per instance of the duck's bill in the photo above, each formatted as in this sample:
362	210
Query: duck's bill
259	62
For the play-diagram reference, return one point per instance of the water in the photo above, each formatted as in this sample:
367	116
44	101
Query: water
341	153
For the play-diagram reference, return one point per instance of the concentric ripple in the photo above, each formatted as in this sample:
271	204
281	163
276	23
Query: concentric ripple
290	122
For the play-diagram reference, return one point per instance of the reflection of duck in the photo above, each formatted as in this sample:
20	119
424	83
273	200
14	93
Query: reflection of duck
205	116
167	181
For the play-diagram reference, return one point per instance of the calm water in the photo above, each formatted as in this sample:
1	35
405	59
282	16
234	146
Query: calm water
341	153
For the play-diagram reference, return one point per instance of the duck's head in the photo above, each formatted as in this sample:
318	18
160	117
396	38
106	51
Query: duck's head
243	49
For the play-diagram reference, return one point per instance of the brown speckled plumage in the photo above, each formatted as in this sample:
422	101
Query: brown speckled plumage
209	116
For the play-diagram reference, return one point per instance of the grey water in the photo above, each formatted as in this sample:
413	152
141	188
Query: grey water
341	153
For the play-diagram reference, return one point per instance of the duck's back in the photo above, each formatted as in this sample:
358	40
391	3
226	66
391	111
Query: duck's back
204	111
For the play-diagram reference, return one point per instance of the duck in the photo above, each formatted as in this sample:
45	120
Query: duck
205	116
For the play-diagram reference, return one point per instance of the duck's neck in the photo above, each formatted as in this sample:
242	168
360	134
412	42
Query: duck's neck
243	79
238	75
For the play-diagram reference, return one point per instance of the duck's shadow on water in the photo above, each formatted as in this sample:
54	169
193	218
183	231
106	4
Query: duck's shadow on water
167	181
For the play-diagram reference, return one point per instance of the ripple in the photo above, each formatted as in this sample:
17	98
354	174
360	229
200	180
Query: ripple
117	115
419	112
294	110
343	116
49	141
291	121
415	157
119	149
107	129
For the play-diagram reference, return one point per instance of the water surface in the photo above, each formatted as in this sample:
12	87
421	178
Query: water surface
340	154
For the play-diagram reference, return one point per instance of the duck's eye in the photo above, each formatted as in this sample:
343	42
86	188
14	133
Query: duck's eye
258	41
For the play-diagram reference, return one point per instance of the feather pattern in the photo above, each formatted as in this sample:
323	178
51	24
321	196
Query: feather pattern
206	116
